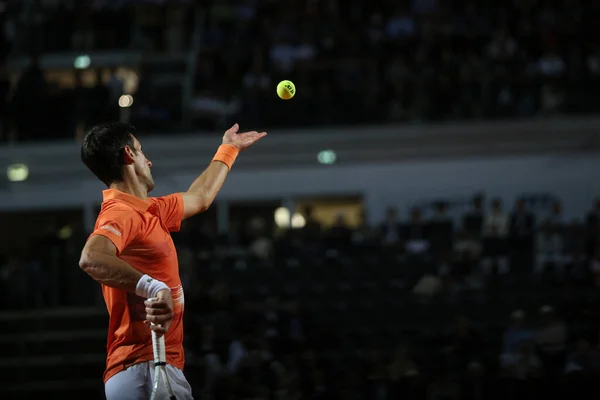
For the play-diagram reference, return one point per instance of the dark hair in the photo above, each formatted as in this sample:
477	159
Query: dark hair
103	147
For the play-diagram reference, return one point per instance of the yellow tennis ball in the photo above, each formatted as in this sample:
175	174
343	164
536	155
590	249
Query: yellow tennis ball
286	90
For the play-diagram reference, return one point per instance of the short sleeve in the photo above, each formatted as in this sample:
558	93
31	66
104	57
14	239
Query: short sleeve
170	209
119	225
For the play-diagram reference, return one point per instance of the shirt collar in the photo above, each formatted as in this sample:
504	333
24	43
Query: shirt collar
135	202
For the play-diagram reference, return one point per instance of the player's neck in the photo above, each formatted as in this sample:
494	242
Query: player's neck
136	189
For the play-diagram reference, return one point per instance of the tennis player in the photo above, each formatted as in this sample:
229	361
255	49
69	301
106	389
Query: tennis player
131	253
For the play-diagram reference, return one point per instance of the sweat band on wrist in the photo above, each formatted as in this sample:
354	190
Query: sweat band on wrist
226	154
148	287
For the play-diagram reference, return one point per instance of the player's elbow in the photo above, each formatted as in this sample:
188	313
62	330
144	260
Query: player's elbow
204	204
196	204
87	260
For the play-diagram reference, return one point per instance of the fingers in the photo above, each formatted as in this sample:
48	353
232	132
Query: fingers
242	140
159	319
253	134
233	129
158	328
158	312
158	304
251	137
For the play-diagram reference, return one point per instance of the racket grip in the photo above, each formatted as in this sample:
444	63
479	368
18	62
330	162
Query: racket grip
158	346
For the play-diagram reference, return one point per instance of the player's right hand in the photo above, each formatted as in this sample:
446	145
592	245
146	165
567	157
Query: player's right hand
159	312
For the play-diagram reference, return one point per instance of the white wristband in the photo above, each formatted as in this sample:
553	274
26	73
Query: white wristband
148	287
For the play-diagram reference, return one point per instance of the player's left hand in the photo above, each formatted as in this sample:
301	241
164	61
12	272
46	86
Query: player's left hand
241	140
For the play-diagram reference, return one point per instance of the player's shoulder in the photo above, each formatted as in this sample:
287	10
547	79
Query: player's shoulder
172	196
120	208
170	200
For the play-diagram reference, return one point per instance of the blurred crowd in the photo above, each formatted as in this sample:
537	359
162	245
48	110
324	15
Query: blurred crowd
35	105
490	303
420	60
352	61
494	304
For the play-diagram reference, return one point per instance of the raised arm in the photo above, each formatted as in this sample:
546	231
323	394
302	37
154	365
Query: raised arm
205	188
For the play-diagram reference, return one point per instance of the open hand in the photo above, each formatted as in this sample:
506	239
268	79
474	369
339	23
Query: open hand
241	140
159	312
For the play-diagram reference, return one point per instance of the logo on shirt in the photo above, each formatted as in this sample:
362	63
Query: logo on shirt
110	229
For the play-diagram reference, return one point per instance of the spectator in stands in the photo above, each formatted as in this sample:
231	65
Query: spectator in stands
312	228
467	243
594	215
495	233
116	88
551	65
416	235
502	48
402	364
595	267
212	360
523	365
574	238
291	379
340	233
5	93
79	96
549	249
429	285
7	31
261	244
462	346
556	216
441	229
99	96
274	320
405	377
584	359
582	369
256	376
28	101
391	228
551	341
593	71
365	236
521	230
578	267
517	333
473	220
592	232
15	280
83	37
377	372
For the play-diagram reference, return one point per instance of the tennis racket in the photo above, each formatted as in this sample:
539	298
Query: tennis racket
160	367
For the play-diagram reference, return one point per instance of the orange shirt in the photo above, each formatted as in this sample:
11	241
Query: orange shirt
140	230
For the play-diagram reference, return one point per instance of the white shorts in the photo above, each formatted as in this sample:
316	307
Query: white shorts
135	383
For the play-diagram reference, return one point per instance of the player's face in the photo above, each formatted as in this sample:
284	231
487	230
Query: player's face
142	166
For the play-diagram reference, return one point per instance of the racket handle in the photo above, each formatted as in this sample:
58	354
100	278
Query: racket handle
158	346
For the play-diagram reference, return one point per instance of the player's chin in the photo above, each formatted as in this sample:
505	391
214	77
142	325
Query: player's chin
150	185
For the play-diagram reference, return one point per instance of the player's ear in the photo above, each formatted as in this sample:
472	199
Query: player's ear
128	155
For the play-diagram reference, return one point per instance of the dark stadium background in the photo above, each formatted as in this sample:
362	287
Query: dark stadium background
421	223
